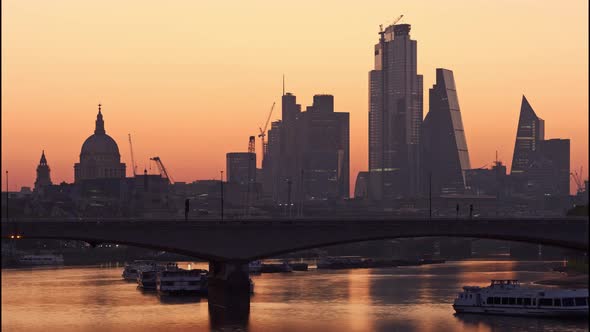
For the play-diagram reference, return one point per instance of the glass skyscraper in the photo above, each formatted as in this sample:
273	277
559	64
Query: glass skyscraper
529	134
395	116
444	154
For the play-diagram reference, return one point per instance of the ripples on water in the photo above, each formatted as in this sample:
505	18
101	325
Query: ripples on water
394	299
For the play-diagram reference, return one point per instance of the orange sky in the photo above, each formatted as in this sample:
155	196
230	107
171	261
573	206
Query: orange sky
191	80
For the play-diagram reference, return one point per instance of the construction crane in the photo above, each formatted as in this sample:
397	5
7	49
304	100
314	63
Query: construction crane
397	19
132	157
162	169
262	134
578	180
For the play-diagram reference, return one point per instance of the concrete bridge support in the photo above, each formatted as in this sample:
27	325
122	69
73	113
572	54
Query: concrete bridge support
229	292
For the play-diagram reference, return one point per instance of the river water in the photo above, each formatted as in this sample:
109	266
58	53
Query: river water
390	299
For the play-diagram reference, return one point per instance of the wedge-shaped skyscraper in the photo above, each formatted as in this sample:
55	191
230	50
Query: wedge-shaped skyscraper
444	148
529	134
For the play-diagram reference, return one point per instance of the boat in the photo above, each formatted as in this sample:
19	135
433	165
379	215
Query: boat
147	275
279	267
255	267
47	259
342	263
131	271
181	282
507	297
299	266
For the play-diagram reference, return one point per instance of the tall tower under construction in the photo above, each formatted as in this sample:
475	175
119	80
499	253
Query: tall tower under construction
395	116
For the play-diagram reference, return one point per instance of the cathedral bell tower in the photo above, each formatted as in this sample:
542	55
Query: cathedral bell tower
43	178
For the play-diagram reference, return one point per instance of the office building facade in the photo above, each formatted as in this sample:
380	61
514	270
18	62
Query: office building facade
445	157
241	167
395	116
529	133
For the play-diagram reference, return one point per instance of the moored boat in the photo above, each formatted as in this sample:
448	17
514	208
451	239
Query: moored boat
35	260
507	297
181	282
279	267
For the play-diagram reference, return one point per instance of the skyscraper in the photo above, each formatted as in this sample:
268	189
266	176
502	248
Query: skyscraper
43	178
323	151
308	152
395	116
529	134
556	152
444	148
289	167
271	166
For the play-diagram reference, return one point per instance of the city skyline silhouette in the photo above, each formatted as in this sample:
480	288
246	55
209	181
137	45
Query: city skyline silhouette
173	109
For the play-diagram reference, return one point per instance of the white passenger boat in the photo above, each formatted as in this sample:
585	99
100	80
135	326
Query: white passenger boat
507	297
180	281
48	259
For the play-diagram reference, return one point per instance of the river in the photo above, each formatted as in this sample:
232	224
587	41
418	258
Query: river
415	298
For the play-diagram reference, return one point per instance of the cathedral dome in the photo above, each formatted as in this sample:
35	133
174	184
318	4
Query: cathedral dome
99	157
99	144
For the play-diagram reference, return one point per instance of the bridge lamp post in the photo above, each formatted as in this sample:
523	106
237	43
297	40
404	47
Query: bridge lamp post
221	195
7	196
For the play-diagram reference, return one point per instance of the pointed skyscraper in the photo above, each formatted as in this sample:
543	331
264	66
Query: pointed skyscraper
444	153
43	173
529	134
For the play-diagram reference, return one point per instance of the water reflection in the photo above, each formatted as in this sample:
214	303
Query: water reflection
485	323
390	299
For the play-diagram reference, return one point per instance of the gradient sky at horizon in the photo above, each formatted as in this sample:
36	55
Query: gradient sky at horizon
192	80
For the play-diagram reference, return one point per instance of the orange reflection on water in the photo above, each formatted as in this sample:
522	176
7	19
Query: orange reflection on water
359	300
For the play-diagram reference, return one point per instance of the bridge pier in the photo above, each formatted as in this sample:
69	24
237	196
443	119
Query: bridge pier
229	292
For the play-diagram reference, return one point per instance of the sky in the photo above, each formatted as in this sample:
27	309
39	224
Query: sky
192	80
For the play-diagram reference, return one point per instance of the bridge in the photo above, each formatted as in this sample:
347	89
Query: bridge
230	245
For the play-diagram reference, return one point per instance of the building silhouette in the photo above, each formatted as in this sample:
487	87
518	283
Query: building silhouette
557	153
529	133
361	190
444	148
43	174
99	157
241	167
324	152
395	116
540	168
289	164
308	153
271	165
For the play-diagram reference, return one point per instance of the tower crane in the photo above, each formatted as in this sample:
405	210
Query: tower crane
262	134
132	157
397	19
578	180
162	169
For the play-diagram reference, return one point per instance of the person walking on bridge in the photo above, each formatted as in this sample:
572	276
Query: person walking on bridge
186	209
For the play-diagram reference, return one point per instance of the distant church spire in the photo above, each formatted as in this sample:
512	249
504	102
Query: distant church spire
99	130
43	173
43	161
